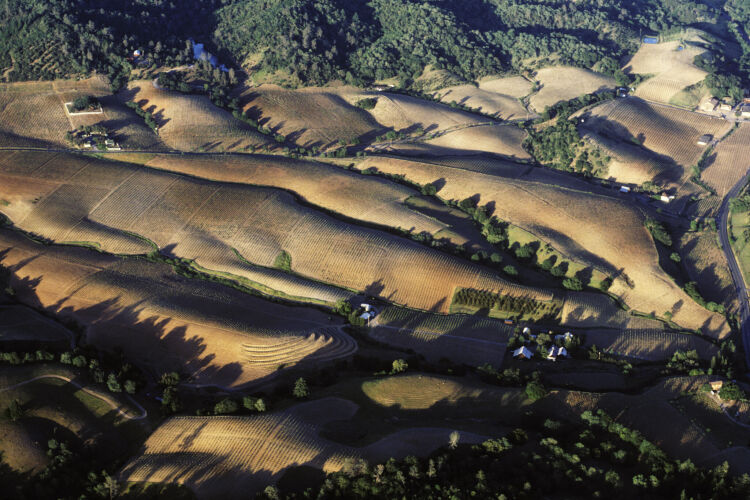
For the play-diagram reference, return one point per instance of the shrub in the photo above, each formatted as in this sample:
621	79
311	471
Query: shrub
225	407
399	366
535	390
367	104
731	391
573	284
283	261
301	390
510	270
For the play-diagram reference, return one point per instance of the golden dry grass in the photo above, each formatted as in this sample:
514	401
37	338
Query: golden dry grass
218	335
562	83
672	69
670	134
513	86
310	117
192	122
595	230
481	98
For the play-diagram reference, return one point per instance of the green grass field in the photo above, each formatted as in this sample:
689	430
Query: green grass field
739	223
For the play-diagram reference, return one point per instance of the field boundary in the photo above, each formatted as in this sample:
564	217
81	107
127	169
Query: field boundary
110	402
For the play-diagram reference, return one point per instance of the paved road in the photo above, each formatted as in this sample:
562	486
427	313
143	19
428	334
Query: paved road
110	401
734	267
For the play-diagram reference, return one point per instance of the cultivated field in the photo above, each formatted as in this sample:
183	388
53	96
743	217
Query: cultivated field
562	83
192	122
34	115
422	392
672	69
481	98
239	456
20	324
220	225
706	265
603	232
504	140
729	162
670	134
648	344
166	322
366	198
309	117
470	340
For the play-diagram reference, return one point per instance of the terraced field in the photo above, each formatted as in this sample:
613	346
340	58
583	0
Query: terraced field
671	134
192	122
221	226
422	392
166	322
239	456
595	230
562	83
672	69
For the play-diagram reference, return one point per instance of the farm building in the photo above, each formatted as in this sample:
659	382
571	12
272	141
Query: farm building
557	352
523	352
745	111
710	104
650	39
704	139
526	330
716	385
624	189
666	198
725	107
622	91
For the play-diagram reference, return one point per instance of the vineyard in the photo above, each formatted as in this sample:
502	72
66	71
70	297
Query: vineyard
192	122
173	323
523	306
213	221
310	117
463	339
490	102
504	140
704	262
366	198
670	132
672	70
728	163
562	83
596	231
629	163
19	323
648	344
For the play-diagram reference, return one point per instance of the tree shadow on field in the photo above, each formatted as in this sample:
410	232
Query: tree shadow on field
129	95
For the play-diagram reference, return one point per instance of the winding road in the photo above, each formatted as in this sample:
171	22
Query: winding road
739	281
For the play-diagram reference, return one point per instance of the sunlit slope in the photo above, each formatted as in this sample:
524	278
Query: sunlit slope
164	321
226	226
601	231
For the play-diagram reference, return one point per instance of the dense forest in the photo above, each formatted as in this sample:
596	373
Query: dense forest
316	41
